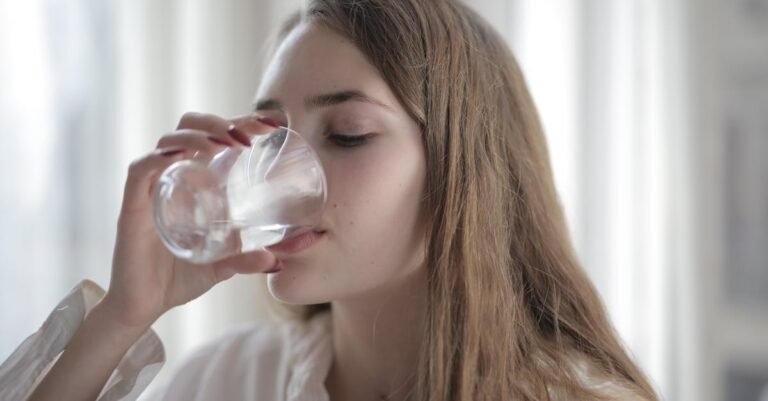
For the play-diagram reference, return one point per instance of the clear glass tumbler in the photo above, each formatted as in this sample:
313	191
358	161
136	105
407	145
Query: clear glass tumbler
240	200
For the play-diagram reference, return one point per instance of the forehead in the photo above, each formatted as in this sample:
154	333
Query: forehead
314	59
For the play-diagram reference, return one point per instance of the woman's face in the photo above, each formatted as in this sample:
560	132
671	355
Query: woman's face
320	85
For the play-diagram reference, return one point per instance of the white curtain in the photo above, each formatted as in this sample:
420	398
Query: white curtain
610	79
58	192
88	86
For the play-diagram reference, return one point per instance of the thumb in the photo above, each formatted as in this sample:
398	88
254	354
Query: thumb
260	261
224	273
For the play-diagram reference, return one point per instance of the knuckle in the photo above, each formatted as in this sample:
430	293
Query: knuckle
188	118
140	163
135	165
201	121
164	139
194	119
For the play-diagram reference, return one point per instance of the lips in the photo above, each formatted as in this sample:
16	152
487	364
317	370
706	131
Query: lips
297	241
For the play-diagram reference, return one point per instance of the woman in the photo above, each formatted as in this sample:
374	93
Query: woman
442	269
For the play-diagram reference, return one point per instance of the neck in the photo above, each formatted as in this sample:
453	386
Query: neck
377	341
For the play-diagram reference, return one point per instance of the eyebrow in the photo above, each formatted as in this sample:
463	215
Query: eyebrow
324	100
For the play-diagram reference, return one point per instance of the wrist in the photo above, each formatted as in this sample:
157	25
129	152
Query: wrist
105	318
90	357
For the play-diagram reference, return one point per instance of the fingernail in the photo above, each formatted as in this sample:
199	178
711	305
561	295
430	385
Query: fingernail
238	135
219	141
268	121
172	152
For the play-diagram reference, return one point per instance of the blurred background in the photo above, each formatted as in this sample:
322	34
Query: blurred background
656	113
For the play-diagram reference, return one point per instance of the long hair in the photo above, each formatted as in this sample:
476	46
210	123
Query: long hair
511	313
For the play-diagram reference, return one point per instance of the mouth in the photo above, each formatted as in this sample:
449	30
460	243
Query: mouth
297	241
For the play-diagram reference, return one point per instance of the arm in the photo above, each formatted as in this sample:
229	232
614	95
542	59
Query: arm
91	356
23	370
147	280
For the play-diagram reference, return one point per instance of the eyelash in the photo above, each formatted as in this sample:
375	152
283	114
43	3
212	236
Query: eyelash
348	141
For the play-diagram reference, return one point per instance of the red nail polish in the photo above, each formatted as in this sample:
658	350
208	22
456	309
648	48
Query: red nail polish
172	152
218	141
268	121
238	135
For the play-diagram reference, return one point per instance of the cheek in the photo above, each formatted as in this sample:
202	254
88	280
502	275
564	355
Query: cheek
375	235
373	199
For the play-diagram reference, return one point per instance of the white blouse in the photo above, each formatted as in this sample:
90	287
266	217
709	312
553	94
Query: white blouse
254	361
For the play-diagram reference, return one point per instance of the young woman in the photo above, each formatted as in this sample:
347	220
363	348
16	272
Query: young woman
442	269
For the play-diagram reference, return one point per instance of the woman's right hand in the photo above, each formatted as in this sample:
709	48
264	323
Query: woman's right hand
147	280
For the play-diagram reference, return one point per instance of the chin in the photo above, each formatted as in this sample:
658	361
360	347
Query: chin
296	289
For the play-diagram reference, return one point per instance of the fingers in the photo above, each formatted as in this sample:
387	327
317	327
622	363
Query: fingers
196	132
218	128
204	122
248	263
254	124
196	139
142	174
233	130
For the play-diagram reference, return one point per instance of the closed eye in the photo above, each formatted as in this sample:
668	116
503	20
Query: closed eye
349	141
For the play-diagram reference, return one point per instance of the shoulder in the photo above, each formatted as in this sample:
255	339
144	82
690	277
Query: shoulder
240	343
267	342
256	354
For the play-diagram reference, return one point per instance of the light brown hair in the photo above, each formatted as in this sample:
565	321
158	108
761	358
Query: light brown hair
511	313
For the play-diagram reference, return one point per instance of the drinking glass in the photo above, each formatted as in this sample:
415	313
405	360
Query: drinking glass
241	199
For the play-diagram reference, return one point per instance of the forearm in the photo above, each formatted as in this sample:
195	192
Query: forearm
89	359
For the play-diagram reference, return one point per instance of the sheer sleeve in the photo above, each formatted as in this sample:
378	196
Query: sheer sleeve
30	362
